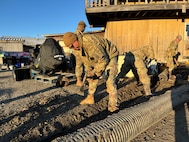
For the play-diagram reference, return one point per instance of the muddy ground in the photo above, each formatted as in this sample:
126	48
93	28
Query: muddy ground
34	111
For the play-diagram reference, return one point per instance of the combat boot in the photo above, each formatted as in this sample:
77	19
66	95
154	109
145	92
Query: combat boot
79	82
147	90
171	77
112	108
88	100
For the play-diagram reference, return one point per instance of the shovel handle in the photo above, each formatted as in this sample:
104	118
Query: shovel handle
83	84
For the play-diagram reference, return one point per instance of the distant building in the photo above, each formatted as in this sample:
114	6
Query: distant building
19	44
59	37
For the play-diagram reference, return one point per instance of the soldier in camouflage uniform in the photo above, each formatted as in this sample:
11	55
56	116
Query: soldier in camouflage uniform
170	54
79	63
135	61
99	56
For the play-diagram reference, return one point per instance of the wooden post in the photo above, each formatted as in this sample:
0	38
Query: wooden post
91	3
115	2
100	3
86	3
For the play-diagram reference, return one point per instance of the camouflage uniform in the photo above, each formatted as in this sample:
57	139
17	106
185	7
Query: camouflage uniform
79	64
136	62
171	56
170	53
79	69
100	55
128	65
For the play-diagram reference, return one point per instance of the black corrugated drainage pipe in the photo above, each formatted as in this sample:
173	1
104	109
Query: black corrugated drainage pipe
128	123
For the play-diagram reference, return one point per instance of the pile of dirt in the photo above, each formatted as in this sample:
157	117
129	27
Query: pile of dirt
32	111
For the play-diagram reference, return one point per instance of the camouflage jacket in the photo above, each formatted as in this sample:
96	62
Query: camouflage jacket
145	52
79	36
97	52
171	50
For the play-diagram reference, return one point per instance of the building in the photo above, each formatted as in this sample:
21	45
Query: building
16	47
131	24
19	44
59	37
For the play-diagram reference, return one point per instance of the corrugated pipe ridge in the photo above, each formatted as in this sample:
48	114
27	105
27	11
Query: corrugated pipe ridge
128	123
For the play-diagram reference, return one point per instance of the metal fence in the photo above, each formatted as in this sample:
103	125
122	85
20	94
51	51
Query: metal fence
101	3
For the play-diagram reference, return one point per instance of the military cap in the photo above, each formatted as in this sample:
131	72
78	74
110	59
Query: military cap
179	37
82	23
69	38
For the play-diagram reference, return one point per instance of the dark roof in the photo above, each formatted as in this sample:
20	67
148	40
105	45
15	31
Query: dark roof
61	34
25	40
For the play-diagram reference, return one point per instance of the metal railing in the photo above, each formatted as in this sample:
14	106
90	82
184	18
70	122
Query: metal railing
101	3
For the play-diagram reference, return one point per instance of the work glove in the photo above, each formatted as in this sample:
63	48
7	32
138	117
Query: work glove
90	73
98	74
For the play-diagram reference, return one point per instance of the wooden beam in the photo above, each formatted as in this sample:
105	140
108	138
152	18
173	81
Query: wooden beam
140	7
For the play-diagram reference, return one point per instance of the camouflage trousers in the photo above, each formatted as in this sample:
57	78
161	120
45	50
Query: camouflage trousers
138	67
128	65
111	87
142	71
79	68
170	63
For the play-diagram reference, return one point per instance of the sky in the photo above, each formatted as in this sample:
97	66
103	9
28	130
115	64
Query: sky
35	18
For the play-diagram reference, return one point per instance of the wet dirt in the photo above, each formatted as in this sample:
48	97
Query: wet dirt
34	111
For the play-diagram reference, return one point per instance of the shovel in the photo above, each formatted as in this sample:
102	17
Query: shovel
83	84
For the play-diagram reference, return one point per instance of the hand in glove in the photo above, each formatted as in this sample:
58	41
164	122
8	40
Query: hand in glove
98	74
93	75
90	73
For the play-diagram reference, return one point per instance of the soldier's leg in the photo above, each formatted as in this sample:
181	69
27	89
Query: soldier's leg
111	86
91	90
143	76
170	65
78	76
78	68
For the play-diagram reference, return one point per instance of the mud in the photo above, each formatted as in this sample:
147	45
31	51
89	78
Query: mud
33	111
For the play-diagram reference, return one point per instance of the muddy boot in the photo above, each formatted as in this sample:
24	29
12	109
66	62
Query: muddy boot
113	104
79	82
112	108
88	100
147	90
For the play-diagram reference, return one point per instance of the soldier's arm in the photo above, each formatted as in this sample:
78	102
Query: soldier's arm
101	60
